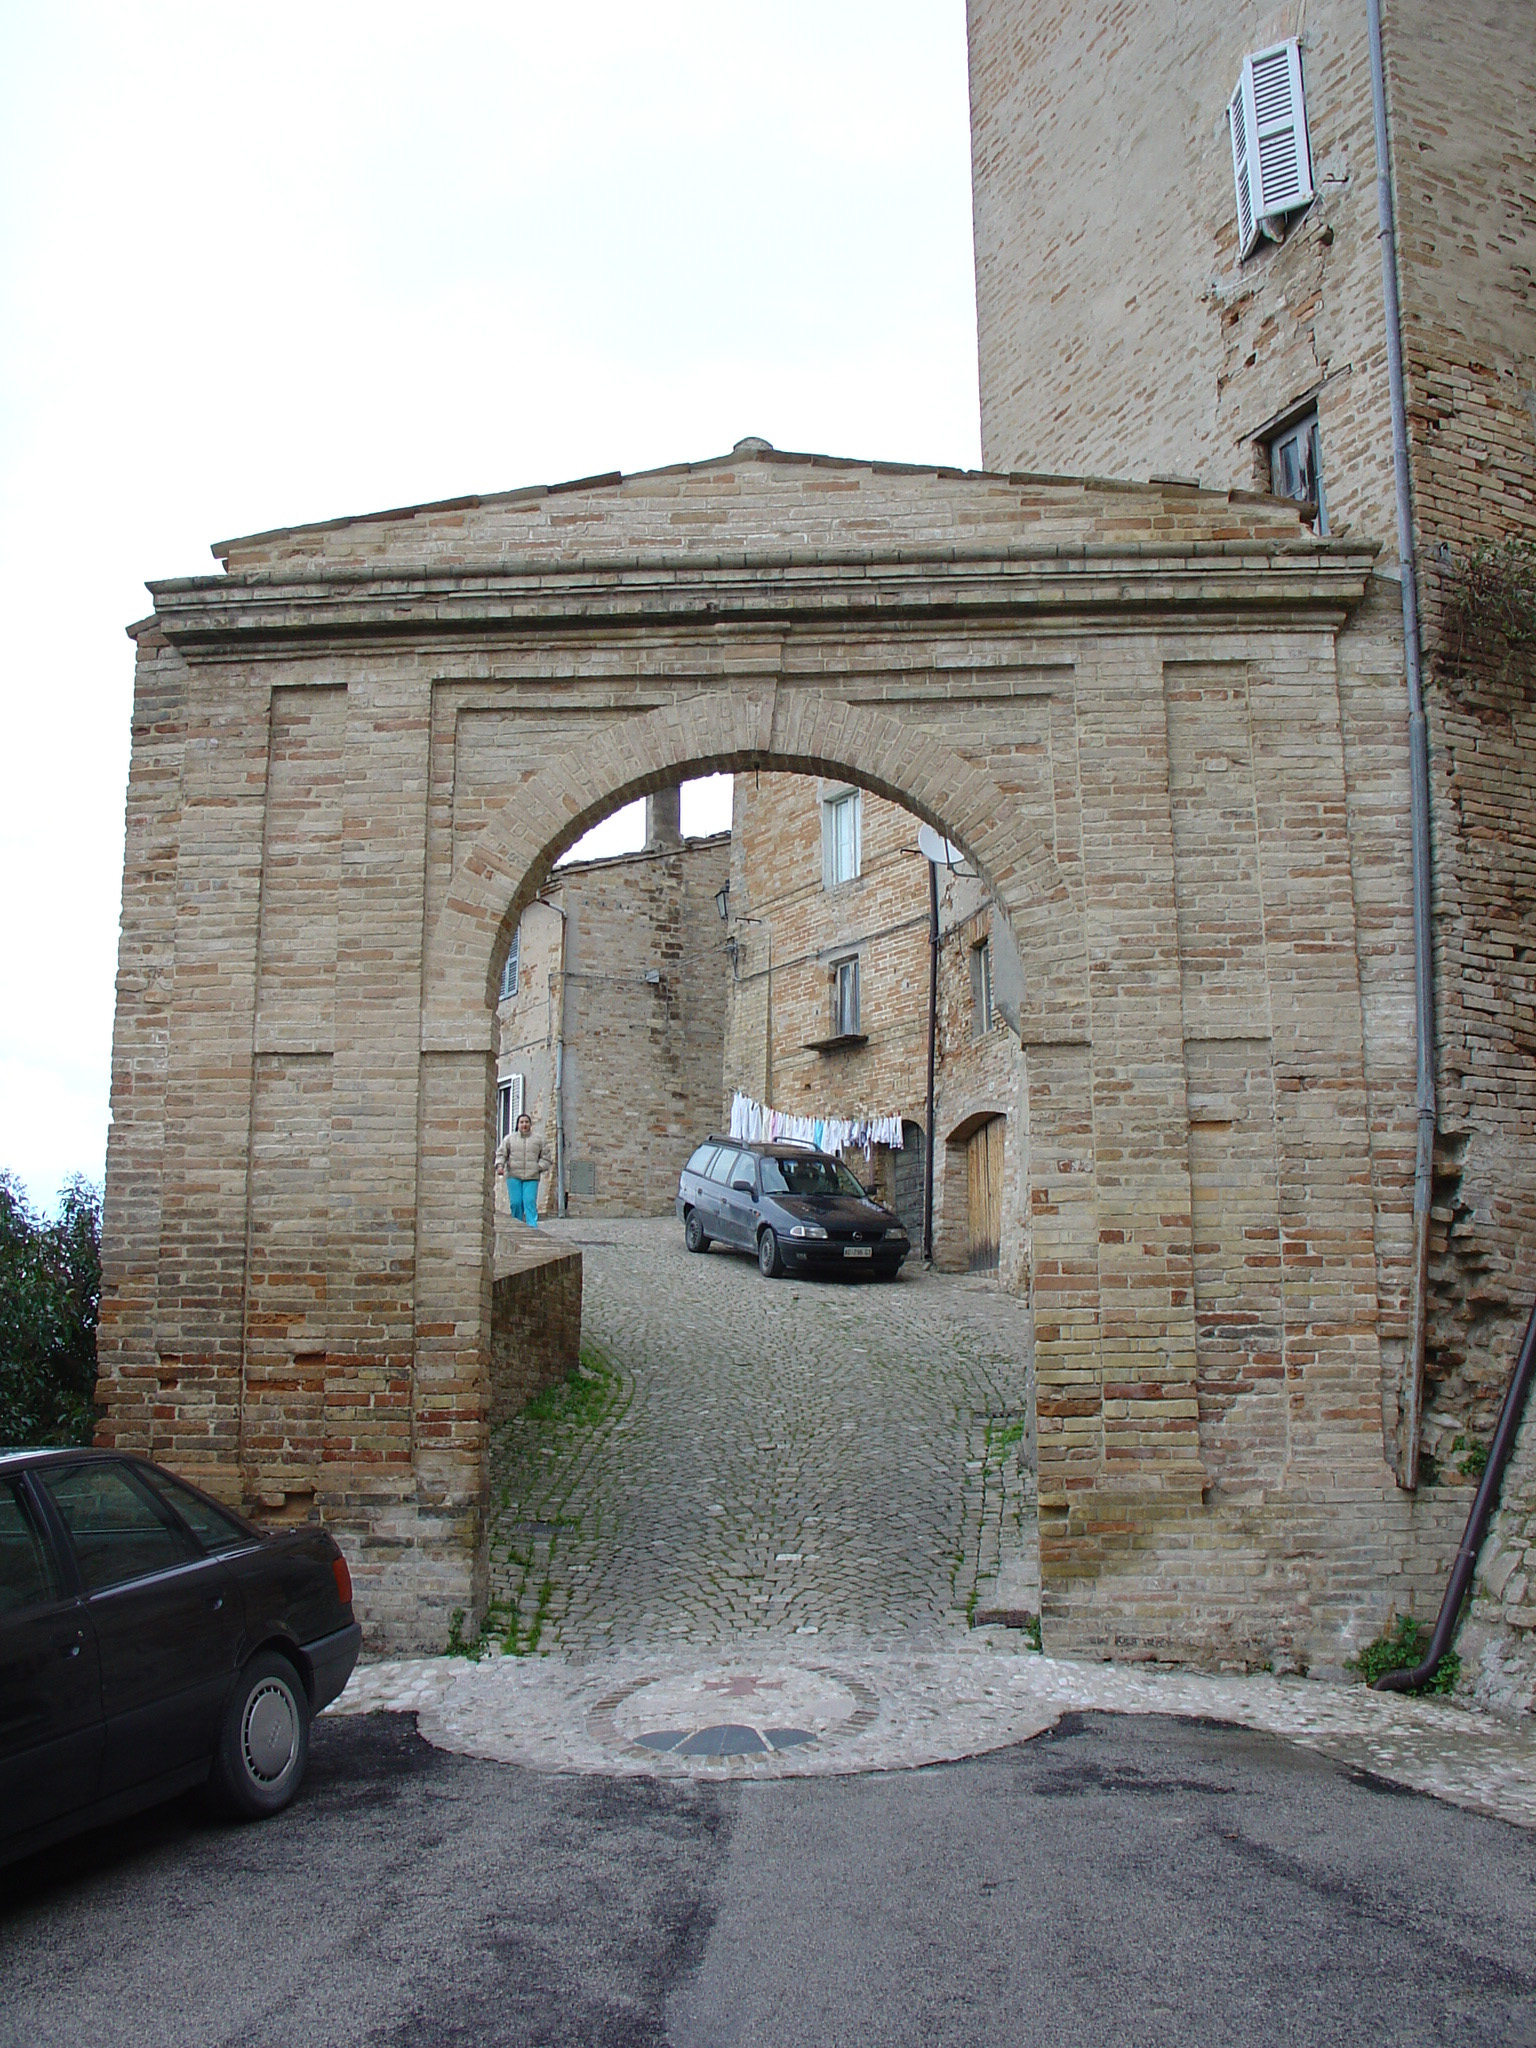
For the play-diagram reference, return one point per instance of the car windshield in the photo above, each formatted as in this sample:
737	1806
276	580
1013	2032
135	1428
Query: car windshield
813	1175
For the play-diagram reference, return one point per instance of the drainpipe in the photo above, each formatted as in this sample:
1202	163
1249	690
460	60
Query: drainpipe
1418	768
933	1019
560	1204
1486	1501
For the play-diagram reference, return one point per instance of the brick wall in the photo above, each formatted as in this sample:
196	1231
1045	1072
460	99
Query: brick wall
1483	1223
881	916
1461	85
1119	333
535	1321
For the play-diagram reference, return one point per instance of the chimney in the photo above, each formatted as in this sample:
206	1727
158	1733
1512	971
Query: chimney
663	821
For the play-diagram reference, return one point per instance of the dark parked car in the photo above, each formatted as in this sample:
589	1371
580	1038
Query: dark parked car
799	1210
151	1640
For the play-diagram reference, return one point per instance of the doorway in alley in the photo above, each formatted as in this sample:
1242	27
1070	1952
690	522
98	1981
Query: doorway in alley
984	1194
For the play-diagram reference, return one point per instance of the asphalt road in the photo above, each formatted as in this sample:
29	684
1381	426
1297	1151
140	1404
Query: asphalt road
1122	1880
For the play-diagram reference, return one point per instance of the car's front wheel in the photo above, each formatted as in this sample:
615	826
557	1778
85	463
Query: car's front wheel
693	1233
264	1742
769	1261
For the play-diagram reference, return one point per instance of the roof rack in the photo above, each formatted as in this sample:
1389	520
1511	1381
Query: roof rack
779	1144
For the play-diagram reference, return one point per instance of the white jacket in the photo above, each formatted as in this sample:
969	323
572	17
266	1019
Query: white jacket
520	1158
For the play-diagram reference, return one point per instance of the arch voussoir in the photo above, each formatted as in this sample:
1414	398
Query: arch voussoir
731	728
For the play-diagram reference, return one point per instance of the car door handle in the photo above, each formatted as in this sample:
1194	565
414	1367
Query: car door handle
216	1602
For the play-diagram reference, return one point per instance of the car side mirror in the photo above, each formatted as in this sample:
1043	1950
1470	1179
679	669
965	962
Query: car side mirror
741	1187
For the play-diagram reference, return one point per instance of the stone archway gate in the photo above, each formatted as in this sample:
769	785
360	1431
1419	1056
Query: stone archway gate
1166	726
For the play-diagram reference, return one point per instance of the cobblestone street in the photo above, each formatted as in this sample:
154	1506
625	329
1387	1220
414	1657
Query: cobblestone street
788	1459
772	1530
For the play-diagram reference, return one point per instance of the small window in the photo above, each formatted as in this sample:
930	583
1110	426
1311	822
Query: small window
1296	466
981	989
840	836
1271	156
120	1532
510	1091
702	1159
845	998
509	972
214	1529
26	1565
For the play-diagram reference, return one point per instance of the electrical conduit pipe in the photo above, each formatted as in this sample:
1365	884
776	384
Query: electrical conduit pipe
1487	1499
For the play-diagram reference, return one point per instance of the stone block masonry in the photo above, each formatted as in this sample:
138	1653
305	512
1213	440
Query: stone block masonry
359	753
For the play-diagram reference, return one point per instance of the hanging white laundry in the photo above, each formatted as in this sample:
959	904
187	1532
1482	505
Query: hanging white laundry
754	1122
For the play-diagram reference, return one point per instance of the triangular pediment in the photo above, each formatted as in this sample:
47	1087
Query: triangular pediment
758	498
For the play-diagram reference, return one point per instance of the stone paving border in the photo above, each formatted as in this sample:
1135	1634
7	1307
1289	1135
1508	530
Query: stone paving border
547	1714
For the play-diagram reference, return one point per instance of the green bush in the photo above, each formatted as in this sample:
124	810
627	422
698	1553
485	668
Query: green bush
1475	1463
50	1296
1400	1649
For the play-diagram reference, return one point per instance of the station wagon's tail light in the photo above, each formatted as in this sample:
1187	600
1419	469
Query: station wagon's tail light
343	1580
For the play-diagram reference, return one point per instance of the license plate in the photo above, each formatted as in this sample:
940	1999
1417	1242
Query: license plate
858	1251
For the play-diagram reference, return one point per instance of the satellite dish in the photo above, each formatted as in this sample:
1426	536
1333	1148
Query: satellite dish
942	852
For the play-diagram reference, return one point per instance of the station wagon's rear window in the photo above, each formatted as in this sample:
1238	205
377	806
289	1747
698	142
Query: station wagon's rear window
811	1176
703	1159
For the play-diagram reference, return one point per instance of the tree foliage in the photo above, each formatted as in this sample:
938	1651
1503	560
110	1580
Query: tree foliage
50	1295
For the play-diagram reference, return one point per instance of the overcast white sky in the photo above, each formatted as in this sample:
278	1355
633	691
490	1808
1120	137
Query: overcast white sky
272	264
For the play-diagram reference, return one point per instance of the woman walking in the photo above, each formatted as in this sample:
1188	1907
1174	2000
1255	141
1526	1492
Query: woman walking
520	1158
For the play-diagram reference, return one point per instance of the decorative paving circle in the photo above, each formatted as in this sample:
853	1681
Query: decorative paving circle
875	1711
724	1715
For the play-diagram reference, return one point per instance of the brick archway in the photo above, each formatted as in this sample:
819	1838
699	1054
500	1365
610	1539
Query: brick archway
1164	724
729	731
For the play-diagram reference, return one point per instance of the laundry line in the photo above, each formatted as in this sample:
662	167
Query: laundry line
756	1123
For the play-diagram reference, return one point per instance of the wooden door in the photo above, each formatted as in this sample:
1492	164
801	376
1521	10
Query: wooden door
984	1194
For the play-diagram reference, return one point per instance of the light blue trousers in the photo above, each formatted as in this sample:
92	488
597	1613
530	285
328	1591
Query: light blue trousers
524	1197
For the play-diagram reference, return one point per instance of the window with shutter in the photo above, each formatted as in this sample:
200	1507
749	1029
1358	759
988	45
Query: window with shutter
845	998
1271	155
840	837
982	1018
1296	465
509	972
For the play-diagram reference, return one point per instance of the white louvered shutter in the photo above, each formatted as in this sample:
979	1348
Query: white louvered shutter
1271	156
1237	117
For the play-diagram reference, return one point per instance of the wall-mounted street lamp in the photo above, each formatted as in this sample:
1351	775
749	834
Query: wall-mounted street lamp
723	902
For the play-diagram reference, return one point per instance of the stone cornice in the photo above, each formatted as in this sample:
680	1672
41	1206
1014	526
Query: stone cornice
1310	583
